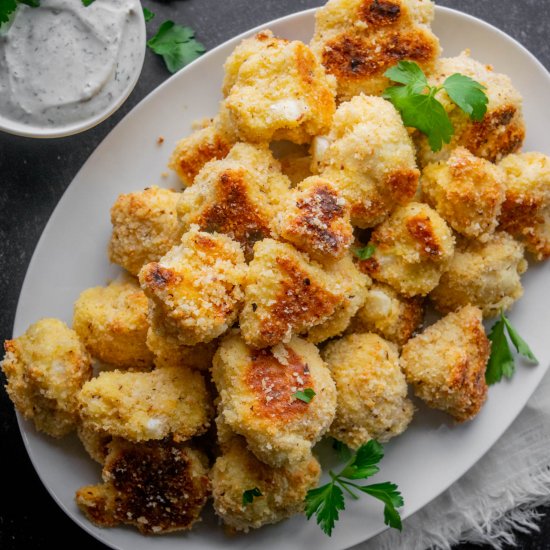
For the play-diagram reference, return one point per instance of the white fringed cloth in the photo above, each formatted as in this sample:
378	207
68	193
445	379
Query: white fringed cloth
494	498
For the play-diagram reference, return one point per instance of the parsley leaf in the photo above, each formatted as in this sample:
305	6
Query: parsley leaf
88	2
306	396
467	94
501	361
366	252
31	3
176	45
249	494
148	14
410	74
344	452
7	7
328	500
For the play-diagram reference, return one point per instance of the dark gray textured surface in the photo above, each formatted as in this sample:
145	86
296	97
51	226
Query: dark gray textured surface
34	174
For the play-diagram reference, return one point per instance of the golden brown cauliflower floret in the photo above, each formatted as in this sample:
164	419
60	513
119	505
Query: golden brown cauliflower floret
169	352
139	406
157	487
372	391
194	290
355	286
194	151
466	191
95	442
446	363
502	129
283	489
358	40
45	369
279	92
236	196
369	156
486	275
257	398
388	314
412	250
145	227
286	294
112	323
316	220
526	209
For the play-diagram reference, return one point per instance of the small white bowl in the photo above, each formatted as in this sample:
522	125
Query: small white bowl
66	129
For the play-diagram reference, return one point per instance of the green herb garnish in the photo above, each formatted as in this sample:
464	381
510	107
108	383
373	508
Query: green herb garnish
306	395
8	7
501	361
365	253
416	102
176	45
148	14
328	500
344	452
248	495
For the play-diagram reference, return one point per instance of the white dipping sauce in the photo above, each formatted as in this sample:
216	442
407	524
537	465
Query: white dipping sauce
63	63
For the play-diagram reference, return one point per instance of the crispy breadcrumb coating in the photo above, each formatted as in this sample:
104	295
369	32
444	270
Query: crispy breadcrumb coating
45	369
257	400
283	489
316	220
279	92
502	129
446	363
486	275
157	487
145	227
372	391
413	248
370	157
285	294
194	290
95	442
139	406
466	191
237	196
358	40
112	323
388	314
526	210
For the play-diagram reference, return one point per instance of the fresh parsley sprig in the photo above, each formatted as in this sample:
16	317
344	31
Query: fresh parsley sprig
415	100
366	252
327	501
249	494
306	395
501	361
148	14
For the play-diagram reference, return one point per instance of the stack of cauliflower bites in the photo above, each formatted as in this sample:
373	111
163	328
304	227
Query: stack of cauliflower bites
280	297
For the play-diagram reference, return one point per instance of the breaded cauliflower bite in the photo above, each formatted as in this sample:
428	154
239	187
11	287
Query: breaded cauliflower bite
413	248
283	489
194	151
486	275
502	129
446	363
45	369
358	40
355	285
257	397
280	92
95	442
372	391
236	196
139	406
194	290
369	156
526	209
169	352
466	191
316	220
112	323
157	487
388	314
145	227
285	294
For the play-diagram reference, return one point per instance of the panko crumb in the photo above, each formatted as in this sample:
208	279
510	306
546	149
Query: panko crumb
140	406
112	323
45	369
283	489
257	397
145	227
372	391
446	363
158	487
